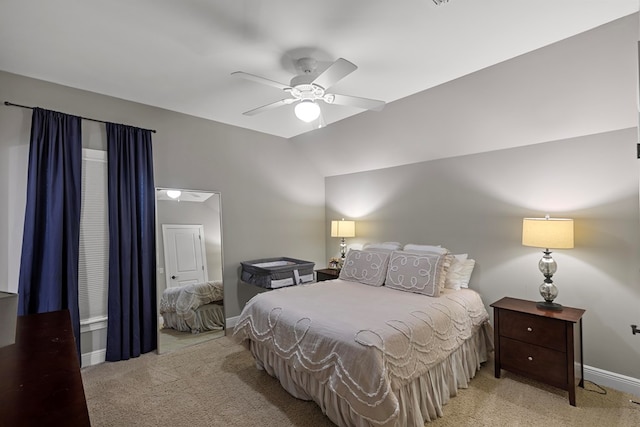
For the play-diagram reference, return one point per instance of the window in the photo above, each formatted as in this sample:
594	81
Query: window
93	262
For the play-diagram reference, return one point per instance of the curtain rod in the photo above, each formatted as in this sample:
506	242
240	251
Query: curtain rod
11	104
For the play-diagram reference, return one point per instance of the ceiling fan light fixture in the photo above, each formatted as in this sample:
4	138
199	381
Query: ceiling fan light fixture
174	194
309	87
307	111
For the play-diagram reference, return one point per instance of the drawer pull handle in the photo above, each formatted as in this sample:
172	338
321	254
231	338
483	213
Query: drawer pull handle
530	358
529	329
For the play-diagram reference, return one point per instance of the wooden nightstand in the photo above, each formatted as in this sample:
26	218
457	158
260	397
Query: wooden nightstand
327	274
537	344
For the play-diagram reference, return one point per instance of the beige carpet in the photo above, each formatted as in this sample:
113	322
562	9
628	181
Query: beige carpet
216	384
171	340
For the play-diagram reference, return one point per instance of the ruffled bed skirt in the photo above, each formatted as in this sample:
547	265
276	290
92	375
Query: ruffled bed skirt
208	317
420	400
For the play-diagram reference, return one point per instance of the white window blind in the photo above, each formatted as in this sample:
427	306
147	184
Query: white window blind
93	263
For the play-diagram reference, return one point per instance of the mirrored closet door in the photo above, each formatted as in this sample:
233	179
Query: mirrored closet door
190	294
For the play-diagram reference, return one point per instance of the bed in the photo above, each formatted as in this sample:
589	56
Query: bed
367	354
193	308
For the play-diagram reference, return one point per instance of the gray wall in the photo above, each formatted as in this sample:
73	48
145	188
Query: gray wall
475	204
273	199
583	85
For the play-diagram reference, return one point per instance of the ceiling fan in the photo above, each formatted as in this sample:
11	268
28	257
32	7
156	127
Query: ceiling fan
309	86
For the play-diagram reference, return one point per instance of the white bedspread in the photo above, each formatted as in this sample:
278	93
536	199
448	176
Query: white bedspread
184	300
364	342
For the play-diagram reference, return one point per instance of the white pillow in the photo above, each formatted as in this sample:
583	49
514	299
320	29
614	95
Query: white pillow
415	272
459	273
452	280
357	246
425	248
465	275
367	267
461	257
391	246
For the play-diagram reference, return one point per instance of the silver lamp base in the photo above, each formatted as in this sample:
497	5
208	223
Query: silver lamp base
548	305
548	290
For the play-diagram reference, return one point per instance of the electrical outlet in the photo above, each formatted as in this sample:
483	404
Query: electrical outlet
634	329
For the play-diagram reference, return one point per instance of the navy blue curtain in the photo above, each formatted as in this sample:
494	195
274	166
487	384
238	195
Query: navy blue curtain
50	243
132	324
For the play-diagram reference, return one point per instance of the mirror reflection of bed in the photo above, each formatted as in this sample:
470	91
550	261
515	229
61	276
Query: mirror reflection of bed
190	294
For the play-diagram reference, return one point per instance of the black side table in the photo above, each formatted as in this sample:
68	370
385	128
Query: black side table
327	274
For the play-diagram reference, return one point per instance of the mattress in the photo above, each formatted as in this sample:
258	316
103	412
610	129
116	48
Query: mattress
368	356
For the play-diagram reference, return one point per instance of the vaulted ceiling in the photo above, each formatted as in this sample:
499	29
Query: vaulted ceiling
179	55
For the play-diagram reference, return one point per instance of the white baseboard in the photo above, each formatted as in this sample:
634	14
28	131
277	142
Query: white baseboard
94	357
231	322
612	380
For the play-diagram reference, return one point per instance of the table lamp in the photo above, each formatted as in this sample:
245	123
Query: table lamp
343	229
548	233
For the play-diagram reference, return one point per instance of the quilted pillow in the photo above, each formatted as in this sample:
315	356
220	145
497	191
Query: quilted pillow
436	250
367	267
416	272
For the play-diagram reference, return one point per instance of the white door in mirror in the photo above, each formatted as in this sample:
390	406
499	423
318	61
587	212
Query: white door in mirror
184	254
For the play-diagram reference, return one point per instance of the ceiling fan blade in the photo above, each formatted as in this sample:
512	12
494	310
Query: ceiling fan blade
268	107
336	72
354	101
321	121
259	79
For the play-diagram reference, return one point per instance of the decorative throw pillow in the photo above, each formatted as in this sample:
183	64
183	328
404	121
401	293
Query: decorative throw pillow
416	272
438	250
367	267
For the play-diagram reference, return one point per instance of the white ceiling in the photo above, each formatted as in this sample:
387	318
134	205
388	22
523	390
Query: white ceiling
179	55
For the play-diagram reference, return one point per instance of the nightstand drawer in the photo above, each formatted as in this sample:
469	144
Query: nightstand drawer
537	362
536	330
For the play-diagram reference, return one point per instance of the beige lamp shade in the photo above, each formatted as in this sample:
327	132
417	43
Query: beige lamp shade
549	233
343	228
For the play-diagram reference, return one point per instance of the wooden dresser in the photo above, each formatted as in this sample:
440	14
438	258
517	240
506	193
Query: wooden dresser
536	343
40	382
